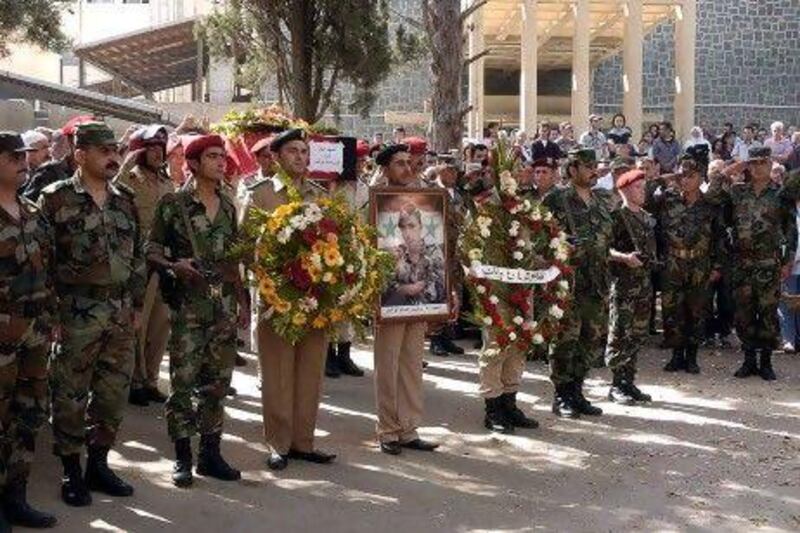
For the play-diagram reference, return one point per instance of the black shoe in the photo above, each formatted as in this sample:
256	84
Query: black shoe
420	445
316	457
450	346
391	448
74	491
580	402
154	395
637	394
240	361
276	461
231	392
514	414
139	396
210	461
678	361
182	471
765	368
691	360
564	403
496	418
99	476
346	364
749	366
437	348
424	364
18	511
331	368
619	391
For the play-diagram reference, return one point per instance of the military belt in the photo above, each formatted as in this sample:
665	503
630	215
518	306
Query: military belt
96	292
687	253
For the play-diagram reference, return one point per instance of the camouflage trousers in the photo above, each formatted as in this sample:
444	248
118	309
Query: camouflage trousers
23	394
91	372
684	299
201	360
628	321
756	291
581	341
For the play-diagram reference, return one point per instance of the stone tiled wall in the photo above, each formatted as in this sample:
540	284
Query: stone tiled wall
747	65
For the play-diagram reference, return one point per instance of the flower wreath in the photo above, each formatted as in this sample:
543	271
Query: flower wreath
510	234
315	265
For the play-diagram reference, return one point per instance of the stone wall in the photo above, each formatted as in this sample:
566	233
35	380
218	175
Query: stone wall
747	65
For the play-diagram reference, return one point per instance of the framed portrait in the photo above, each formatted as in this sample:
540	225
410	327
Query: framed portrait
411	225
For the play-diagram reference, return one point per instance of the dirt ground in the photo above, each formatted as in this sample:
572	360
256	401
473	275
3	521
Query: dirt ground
712	453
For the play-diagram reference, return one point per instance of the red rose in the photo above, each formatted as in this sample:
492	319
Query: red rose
350	279
309	236
327	225
297	275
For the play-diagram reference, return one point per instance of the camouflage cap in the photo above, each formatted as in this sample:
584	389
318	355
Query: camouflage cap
759	152
94	134
582	155
622	163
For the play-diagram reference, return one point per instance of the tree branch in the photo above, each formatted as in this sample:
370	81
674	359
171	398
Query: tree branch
483	53
476	5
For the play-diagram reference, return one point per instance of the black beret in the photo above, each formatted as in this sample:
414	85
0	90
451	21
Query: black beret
384	157
287	136
11	141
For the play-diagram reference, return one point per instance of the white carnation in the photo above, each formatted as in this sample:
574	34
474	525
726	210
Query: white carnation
512	336
538	339
556	311
548	216
494	299
518	255
481	289
563	285
520	243
475	254
518	320
487	320
555	243
485	233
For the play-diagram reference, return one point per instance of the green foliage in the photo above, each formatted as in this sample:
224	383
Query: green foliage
36	22
309	49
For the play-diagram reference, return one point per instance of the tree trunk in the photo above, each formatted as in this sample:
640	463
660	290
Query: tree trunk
302	38
445	34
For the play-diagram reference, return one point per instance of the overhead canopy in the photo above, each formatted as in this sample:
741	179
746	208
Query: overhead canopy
502	26
148	60
17	86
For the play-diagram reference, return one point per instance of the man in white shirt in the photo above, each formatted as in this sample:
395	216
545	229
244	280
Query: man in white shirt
744	143
594	138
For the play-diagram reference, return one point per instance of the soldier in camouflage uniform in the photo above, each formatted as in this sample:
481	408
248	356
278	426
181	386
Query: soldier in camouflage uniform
764	242
692	261
584	214
632	254
193	232
98	273
27	303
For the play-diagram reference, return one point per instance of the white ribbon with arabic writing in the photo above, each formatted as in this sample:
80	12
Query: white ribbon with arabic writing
515	275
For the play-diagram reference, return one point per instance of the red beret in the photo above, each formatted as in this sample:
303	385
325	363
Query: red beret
195	146
629	178
362	148
69	127
261	144
416	145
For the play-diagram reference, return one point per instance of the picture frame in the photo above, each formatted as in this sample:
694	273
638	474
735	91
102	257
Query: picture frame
411	223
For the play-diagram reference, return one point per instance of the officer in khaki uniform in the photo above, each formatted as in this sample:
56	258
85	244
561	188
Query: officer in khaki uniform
149	182
27	304
291	376
399	346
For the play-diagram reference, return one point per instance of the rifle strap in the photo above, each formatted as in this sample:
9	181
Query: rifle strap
189	228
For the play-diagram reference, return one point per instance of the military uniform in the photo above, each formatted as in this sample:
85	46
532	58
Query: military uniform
47	174
291	375
764	238
691	251
154	332
203	342
629	296
27	306
589	224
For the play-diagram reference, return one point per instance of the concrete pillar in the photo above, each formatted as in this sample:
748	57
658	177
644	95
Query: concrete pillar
685	39
632	66
476	45
581	77
528	80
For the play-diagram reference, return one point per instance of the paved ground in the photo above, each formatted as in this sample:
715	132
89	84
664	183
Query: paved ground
712	453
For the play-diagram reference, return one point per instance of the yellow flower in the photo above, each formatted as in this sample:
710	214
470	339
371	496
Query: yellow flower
320	322
266	285
299	319
336	315
318	247
281	306
357	308
332	238
331	256
329	277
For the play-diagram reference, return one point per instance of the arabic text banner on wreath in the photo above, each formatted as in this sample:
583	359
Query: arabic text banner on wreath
515	275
